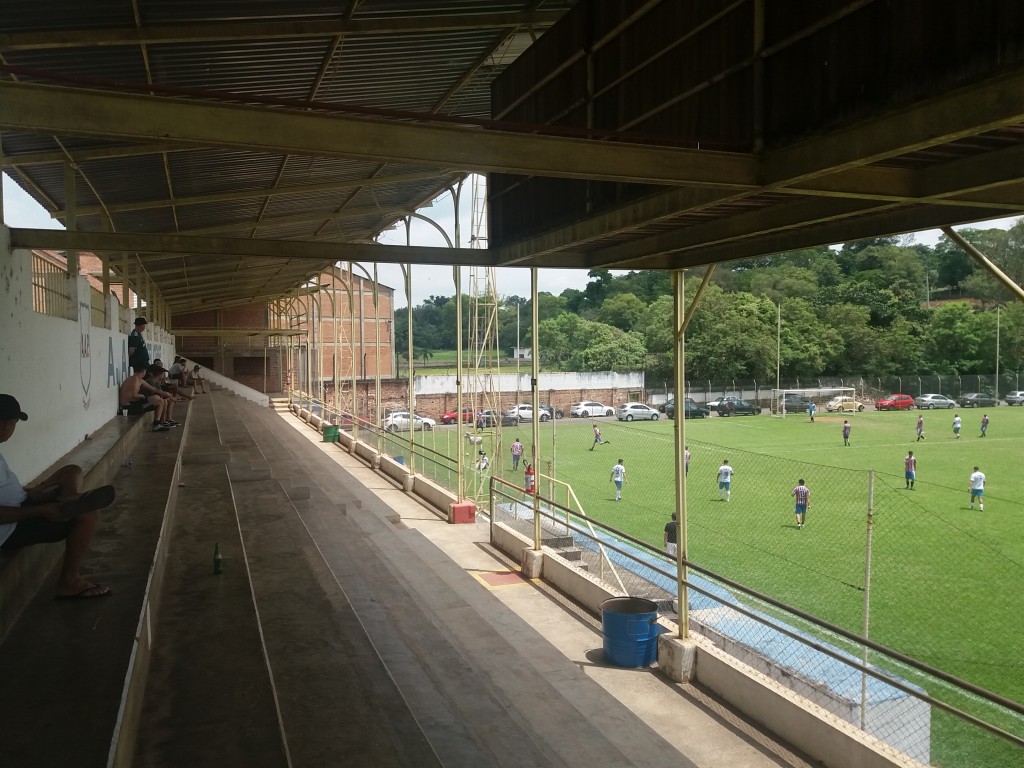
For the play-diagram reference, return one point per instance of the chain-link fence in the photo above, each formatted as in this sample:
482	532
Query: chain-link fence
916	711
867	387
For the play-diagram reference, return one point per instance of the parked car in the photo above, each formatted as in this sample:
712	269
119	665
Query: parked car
738	408
488	418
556	412
977	400
524	412
690	410
635	411
450	417
1015	398
794	403
895	402
590	408
713	404
399	421
931	402
844	404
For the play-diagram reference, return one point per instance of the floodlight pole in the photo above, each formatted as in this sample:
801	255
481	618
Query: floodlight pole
997	355
778	346
679	318
535	400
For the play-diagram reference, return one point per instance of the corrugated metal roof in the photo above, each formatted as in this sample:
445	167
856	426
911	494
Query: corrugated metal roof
418	56
236	147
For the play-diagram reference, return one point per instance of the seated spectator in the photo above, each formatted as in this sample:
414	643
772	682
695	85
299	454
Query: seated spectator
166	385
176	372
131	397
54	510
196	381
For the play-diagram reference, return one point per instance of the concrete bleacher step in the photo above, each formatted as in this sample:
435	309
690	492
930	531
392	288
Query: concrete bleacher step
545	687
449	648
101	456
64	663
206	701
337	701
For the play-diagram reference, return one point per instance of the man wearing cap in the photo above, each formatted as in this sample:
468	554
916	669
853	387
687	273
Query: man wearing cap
54	510
138	355
132	399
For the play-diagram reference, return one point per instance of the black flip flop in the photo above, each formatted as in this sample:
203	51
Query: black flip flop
83	595
97	498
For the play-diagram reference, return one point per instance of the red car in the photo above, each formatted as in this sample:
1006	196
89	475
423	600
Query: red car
895	403
468	416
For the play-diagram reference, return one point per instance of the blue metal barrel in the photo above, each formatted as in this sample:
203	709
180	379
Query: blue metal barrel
630	627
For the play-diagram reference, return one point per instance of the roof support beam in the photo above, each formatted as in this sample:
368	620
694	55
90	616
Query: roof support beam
67	111
61	240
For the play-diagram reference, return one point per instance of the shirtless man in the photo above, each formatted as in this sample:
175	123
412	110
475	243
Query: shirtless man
130	396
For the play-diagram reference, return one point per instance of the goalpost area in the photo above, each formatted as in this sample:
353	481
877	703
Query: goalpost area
825	399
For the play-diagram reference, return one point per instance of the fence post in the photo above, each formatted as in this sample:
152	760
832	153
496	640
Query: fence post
867	595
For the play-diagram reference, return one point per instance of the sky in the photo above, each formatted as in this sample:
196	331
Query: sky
20	210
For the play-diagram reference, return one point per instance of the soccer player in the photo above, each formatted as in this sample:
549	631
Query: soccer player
956	426
597	438
671	535
910	469
977	487
618	477
517	454
810	410
984	424
725	473
803	501
846	432
920	427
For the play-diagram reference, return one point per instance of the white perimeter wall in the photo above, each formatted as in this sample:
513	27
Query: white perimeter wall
65	373
510	382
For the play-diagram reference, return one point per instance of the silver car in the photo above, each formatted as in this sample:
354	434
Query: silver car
930	402
636	411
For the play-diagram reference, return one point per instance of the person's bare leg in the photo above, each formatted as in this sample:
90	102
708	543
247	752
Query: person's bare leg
158	408
169	412
75	548
62	485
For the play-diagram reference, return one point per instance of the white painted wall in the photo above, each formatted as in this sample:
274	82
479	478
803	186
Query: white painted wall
65	373
509	382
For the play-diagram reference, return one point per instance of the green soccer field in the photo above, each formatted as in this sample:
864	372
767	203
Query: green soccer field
945	581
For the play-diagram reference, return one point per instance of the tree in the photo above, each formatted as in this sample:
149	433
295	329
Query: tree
609	349
732	336
954	340
624	311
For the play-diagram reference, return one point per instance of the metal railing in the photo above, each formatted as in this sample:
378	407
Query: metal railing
50	290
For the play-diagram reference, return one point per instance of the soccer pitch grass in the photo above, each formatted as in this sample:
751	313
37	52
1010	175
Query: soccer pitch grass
945	580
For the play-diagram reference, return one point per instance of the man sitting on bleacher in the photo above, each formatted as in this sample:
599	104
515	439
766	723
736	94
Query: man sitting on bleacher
54	510
131	398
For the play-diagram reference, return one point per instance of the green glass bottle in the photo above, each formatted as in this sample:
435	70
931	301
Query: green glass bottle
218	560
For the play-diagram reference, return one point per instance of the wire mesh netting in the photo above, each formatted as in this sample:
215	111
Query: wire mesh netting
890	700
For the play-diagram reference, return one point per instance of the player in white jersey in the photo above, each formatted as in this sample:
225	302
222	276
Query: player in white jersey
725	473
618	477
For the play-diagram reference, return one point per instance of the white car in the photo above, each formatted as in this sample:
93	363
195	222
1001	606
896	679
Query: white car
1015	398
590	408
524	412
399	421
843	403
637	411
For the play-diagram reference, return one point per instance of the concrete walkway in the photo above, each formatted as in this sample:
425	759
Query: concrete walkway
703	731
